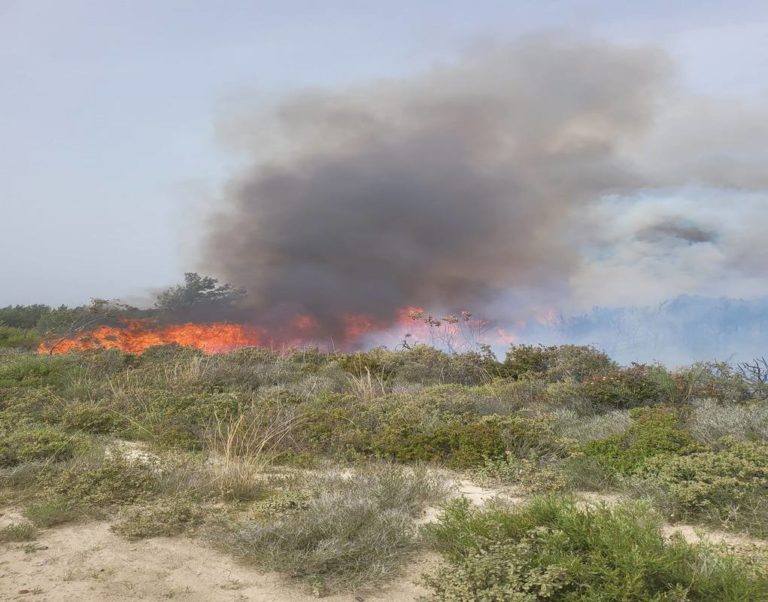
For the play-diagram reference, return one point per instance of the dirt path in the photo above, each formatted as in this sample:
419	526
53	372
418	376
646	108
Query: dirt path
89	563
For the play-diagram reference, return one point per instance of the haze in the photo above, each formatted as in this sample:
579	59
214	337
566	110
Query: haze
116	126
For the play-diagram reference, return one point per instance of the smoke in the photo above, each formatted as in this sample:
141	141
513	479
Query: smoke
464	185
679	232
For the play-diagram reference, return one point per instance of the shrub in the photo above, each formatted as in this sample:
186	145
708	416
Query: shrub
22	316
726	487
578	363
25	370
163	518
569	424
354	531
88	488
92	418
51	512
585	473
711	421
712	380
18	532
38	444
423	364
466	441
529	475
18	338
30	407
243	447
557	363
630	387
556	549
653	432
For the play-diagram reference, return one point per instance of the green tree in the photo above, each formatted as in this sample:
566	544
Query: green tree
197	293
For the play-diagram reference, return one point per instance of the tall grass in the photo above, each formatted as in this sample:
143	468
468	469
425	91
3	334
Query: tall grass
242	446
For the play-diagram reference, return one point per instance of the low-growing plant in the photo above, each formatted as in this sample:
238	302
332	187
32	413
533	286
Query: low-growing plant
557	363
52	511
638	385
726	487
711	421
92	418
556	549
92	487
529	476
36	444
18	338
586	473
593	426
18	532
165	517
653	432
354	531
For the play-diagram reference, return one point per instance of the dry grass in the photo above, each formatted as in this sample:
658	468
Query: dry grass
711	421
242	447
366	386
354	531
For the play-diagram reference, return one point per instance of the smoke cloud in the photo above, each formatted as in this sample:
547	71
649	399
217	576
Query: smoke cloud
469	183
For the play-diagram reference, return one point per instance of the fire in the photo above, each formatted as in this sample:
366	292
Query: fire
138	335
411	325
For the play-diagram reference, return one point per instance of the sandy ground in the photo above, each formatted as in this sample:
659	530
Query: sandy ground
89	563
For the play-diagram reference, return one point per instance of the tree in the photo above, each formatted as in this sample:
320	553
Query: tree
198	293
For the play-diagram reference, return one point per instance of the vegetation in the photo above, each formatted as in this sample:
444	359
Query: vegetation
320	465
353	531
554	549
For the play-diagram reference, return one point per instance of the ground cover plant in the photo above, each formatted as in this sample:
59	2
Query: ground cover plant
319	465
555	549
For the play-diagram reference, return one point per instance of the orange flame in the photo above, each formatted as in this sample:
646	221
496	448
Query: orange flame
138	335
410	323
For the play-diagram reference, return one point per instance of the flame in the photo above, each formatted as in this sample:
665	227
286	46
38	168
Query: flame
410	324
136	336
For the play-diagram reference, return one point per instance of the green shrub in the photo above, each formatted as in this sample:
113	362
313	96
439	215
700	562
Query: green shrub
22	316
585	473
53	511
712	380
653	432
630	387
92	418
529	475
30	370
18	532
18	338
163	518
728	487
88	488
556	549
423	364
466	441
557	363
27	407
570	424
38	444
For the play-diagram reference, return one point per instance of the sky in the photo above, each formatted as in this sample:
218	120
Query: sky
116	117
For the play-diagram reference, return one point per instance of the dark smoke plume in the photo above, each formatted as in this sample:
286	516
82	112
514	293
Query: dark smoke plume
444	190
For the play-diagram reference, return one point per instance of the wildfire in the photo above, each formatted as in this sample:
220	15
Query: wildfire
138	335
411	326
